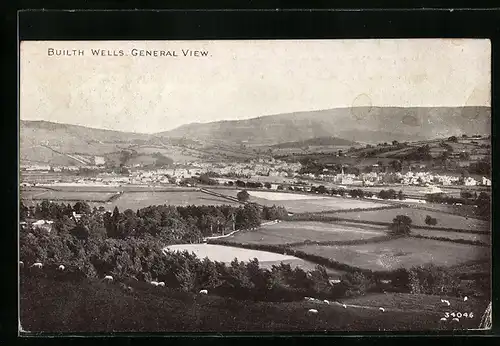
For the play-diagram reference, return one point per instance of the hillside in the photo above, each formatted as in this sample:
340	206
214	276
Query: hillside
58	306
362	124
318	141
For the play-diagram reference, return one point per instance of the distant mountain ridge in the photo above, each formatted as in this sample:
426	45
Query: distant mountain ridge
43	141
360	124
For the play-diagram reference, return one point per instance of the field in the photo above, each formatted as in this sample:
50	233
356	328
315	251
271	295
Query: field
66	195
453	235
299	203
138	200
53	307
403	252
226	254
300	231
418	217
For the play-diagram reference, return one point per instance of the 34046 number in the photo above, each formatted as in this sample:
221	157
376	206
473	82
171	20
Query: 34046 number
459	314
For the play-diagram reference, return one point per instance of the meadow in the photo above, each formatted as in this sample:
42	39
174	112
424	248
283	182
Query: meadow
418	218
66	196
302	203
484	238
226	254
55	307
400	253
138	200
289	232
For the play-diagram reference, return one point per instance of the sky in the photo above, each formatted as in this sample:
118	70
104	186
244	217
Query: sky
243	79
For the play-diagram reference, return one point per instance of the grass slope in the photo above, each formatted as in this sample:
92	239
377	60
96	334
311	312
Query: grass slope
53	306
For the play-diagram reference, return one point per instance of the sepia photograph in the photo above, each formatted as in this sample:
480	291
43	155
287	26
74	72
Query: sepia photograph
222	186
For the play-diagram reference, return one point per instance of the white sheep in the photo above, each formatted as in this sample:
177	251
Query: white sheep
382	309
313	311
108	278
161	283
37	265
154	283
203	292
465	299
326	301
61	267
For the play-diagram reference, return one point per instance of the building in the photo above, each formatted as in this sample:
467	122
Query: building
485	181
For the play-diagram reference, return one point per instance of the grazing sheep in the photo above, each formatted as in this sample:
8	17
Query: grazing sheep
465	299
161	283
37	265
381	309
108	278
326	301
312	311
203	292
154	283
61	267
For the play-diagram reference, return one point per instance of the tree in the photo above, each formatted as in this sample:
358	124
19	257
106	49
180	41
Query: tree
401	225
243	196
429	220
401	196
322	189
267	185
395	142
453	139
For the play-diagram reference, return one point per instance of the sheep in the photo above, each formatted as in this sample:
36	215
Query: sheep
61	267
465	299
203	292
108	278
312	311
382	309
161	283
37	265
154	283
326	301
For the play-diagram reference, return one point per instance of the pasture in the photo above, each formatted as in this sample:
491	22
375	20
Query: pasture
484	238
138	200
402	252
300	231
56	307
302	203
226	254
66	195
418	218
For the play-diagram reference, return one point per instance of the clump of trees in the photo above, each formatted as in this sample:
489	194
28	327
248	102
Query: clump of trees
389	194
401	225
431	221
243	196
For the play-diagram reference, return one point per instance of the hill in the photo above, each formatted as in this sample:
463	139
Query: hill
59	306
318	141
360	124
